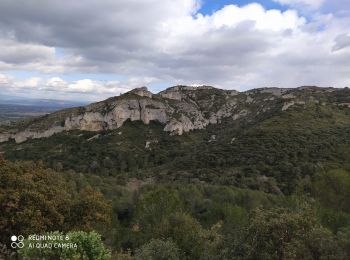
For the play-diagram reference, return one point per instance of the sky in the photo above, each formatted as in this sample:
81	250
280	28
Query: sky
90	50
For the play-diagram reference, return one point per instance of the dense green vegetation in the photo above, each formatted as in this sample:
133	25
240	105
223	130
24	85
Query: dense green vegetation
88	246
271	153
267	186
34	199
177	221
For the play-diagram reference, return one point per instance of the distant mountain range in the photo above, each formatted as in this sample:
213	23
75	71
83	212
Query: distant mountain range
47	103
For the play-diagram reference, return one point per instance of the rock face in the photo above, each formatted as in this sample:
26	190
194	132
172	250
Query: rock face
142	92
180	109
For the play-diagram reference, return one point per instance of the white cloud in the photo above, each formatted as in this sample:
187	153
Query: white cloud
32	82
153	41
7	81
90	86
4	79
310	3
232	15
342	41
93	89
56	87
83	86
56	83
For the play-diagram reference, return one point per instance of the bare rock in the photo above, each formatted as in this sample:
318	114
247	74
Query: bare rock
142	92
287	105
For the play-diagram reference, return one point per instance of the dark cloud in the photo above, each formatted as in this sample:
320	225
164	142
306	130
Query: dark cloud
166	41
341	42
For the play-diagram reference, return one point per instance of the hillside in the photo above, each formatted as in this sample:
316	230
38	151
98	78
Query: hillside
267	139
180	109
194	173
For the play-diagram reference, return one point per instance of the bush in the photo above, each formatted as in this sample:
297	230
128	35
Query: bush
88	246
158	249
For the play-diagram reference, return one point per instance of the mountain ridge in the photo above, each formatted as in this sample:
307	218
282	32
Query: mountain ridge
180	109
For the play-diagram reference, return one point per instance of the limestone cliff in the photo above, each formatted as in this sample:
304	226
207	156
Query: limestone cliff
180	109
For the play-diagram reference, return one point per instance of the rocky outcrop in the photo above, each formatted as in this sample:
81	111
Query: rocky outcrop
172	94
23	136
5	137
180	109
180	92
184	124
142	92
278	92
287	105
98	117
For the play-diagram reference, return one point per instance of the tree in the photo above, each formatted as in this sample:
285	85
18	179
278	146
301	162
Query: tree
155	205
32	199
343	236
285	234
89	208
158	249
84	246
36	200
193	240
332	189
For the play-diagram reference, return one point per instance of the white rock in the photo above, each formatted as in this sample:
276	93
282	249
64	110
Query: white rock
288	105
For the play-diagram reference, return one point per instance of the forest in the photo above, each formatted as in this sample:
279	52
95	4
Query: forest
276	187
113	220
175	130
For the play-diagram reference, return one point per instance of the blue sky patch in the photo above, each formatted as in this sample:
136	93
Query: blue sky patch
210	6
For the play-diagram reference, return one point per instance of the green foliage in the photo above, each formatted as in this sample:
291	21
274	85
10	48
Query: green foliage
158	249
86	246
90	208
332	189
271	152
32	199
343	236
89	245
235	196
36	200
193	240
333	219
154	206
285	234
202	221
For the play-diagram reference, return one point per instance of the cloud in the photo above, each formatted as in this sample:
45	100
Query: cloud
32	82
148	42
85	86
299	3
339	8
342	41
275	20
16	53
4	80
7	81
84	89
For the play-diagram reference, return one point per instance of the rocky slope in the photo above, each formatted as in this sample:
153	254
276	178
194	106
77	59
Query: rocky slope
180	109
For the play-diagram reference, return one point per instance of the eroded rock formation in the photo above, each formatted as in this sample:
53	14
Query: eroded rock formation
180	109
